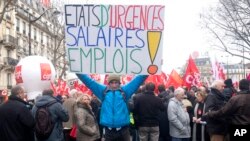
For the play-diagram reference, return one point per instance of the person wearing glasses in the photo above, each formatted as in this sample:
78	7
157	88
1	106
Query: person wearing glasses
114	111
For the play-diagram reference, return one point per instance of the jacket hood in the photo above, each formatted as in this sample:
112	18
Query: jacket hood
43	100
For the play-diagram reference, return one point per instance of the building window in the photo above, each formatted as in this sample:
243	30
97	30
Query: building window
18	41
8	53
42	51
42	37
8	15
17	25
24	28
35	50
9	80
47	40
34	34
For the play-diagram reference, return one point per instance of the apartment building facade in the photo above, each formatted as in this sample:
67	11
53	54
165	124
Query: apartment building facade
45	39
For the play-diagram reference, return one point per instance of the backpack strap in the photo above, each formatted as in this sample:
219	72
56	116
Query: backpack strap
51	103
48	104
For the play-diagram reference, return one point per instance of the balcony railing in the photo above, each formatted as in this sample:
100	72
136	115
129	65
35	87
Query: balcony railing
10	61
10	41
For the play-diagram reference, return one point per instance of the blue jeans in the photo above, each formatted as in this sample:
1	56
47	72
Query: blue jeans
180	139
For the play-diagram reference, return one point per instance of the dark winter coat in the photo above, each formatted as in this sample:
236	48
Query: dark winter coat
147	107
58	113
16	121
228	93
237	110
215	101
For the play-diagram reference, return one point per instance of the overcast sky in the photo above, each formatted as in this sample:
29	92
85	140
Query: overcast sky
182	35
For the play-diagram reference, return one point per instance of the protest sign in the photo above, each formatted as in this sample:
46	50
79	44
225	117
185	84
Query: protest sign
121	39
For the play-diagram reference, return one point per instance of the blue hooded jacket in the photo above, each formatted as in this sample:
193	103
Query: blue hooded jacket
114	111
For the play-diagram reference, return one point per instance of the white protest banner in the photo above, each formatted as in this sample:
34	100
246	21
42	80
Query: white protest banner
121	39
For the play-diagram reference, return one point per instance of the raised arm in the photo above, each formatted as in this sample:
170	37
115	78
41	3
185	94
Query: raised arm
94	86
225	111
133	85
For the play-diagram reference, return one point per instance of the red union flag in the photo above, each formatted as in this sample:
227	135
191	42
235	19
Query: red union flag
45	71
174	80
18	74
96	77
192	75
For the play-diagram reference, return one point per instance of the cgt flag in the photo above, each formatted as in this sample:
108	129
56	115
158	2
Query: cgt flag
174	80
192	75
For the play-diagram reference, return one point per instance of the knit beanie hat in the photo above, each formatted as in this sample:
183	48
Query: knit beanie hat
228	83
113	77
244	85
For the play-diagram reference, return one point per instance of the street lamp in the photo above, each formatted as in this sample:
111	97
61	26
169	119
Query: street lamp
34	20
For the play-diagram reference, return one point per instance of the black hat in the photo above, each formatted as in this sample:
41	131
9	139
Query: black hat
228	83
244	84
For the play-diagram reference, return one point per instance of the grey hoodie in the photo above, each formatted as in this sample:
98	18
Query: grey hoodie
58	113
178	120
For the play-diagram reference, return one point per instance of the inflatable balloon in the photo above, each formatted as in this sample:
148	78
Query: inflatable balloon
34	73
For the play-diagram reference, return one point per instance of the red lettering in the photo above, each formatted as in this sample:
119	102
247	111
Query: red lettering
128	24
153	19
112	18
121	12
160	19
137	17
45	71
18	74
143	19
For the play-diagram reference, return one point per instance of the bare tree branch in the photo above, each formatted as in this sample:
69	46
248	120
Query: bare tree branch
230	26
6	3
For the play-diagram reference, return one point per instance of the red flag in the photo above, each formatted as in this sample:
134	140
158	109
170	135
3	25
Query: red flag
174	80
162	78
126	78
217	69
152	78
62	87
248	76
96	77
192	75
53	87
105	80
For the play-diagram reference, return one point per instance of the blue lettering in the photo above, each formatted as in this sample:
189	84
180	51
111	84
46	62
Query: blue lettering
143	43
118	35
73	39
81	36
101	36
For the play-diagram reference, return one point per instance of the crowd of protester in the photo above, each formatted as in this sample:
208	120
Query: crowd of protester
133	112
